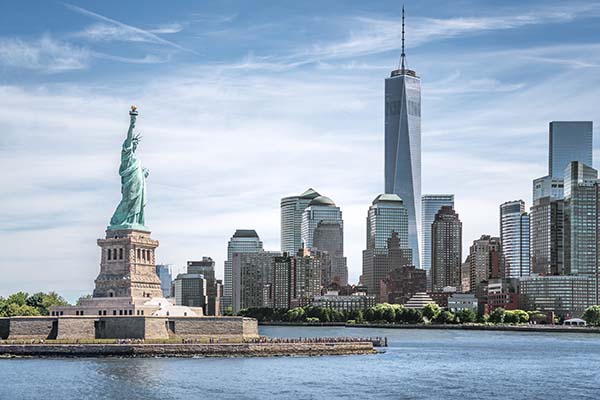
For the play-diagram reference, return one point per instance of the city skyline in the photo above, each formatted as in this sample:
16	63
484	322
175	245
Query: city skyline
64	88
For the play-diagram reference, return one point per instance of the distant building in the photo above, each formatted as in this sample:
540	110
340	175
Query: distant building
462	301
418	301
569	141
329	237
403	147
355	302
292	209
190	290
514	235
501	293
441	297
387	218
547	186
485	262
402	283
295	280
242	241
566	296
214	287
430	205
446	249
252	278
547	233
164	272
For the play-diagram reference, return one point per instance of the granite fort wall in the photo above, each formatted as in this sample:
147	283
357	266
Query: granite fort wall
4	327
33	327
121	328
76	327
213	327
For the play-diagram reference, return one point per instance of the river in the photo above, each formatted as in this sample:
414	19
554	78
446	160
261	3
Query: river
418	364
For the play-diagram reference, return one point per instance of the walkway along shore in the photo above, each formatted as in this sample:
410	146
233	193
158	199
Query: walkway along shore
265	348
472	327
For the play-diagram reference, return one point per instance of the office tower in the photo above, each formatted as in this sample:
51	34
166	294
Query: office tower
446	238
242	241
569	141
430	205
329	237
214	288
582	221
547	231
252	278
485	261
323	229
514	234
387	216
164	272
403	144
291	220
546	186
190	290
566	295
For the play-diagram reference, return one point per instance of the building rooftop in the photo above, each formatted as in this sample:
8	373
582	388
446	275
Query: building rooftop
322	201
310	193
247	233
387	198
419	300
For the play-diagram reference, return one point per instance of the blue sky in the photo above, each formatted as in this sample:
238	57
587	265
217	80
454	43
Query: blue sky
243	103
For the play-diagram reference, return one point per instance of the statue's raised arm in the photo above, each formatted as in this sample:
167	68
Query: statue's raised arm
130	211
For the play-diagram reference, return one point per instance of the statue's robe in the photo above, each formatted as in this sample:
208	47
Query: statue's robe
133	189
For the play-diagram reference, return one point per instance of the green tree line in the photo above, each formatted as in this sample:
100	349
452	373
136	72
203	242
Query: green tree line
23	304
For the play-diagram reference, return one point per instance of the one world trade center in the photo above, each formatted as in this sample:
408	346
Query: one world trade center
403	144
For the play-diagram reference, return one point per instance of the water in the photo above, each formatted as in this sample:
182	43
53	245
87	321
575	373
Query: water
418	364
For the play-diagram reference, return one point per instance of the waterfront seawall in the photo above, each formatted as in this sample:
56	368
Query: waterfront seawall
472	327
186	350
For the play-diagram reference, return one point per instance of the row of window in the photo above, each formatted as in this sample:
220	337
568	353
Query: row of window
117	254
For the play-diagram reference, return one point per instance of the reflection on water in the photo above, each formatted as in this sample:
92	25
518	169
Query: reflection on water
418	364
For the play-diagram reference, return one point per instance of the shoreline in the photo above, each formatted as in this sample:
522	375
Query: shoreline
187	350
473	327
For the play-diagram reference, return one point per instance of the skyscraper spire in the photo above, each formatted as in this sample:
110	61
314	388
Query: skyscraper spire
403	56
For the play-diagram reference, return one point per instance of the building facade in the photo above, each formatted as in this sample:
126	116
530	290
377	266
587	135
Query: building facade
403	145
242	241
252	278
214	287
569	141
354	302
164	272
485	262
462	301
446	250
387	218
402	283
547	234
292	209
190	290
430	205
514	235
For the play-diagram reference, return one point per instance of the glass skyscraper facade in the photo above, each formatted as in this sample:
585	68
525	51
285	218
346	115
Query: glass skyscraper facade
164	275
569	141
430	205
403	147
319	209
514	234
242	241
292	208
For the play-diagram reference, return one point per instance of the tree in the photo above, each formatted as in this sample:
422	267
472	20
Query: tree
445	317
19	298
511	317
592	315
465	316
497	316
431	311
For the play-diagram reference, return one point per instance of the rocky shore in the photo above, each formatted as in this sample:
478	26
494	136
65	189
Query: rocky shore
267	349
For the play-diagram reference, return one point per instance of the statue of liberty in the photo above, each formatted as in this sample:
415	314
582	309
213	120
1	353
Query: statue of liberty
130	211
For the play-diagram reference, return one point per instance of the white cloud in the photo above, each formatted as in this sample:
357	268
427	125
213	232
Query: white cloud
45	54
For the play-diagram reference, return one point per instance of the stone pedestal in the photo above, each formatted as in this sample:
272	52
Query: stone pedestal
127	265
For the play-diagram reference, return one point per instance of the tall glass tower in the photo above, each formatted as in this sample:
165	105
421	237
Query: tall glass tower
430	205
569	141
292	208
403	144
242	241
514	234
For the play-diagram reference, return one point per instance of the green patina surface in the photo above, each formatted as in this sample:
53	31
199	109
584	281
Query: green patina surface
130	211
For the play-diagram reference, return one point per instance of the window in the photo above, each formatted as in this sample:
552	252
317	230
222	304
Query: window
109	254
120	312
121	253
139	256
100	312
130	312
114	254
114	312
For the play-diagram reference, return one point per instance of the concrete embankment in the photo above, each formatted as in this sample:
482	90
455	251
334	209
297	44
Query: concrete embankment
473	327
186	350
